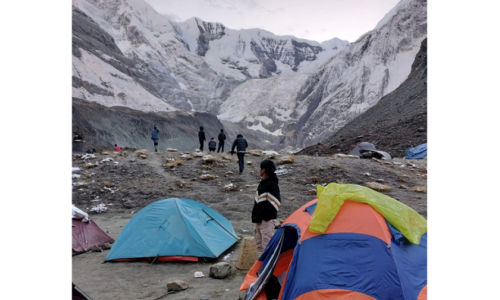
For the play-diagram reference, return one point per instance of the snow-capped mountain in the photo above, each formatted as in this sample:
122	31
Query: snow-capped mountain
127	54
309	105
191	65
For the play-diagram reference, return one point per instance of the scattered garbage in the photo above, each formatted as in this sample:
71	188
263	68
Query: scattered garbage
75	169
88	156
99	208
281	172
75	176
198	274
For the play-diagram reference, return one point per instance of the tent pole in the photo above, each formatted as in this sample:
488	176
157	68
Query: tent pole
237	238
155	259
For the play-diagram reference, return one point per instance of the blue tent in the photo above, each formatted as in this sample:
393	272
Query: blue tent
175	228
418	152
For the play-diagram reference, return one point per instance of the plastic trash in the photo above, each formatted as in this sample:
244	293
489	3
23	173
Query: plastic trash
198	274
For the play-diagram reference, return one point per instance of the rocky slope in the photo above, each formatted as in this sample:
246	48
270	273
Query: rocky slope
102	127
395	124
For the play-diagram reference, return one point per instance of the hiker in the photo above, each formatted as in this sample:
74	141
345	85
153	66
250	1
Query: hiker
221	138
266	205
211	145
241	146
155	136
118	148
201	137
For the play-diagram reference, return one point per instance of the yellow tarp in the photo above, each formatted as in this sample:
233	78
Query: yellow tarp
402	217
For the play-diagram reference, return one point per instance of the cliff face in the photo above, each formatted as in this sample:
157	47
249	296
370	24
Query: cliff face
309	105
395	124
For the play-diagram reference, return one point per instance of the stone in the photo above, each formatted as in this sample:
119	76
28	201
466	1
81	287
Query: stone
106	246
177	285
96	248
219	270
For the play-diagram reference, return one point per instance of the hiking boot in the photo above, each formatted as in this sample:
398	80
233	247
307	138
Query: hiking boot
156	150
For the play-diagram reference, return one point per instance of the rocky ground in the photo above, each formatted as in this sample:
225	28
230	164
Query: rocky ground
112	188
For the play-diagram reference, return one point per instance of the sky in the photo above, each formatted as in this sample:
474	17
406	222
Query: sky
316	20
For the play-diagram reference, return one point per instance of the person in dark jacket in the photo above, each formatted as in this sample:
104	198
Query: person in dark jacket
211	145
155	136
266	205
221	138
241	147
201	137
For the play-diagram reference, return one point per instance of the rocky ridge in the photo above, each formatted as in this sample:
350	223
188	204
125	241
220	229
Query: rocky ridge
395	124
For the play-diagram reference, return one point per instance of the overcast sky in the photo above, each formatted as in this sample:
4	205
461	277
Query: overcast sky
317	20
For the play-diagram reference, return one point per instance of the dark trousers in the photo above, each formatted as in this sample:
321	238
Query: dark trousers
241	161
201	145
221	146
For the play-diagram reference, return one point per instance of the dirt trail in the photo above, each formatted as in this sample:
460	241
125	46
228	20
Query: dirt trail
133	183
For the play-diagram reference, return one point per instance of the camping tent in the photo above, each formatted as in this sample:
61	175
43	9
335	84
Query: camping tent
362	146
368	148
418	152
174	229
359	256
78	294
86	233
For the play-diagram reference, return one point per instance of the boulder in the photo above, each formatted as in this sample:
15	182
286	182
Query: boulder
177	285
220	270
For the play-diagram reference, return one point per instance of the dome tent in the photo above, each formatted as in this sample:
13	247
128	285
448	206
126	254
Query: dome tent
359	254
418	152
174	229
86	233
368	149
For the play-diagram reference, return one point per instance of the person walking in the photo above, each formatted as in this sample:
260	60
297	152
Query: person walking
266	205
118	148
241	147
221	138
201	137
211	145
155	136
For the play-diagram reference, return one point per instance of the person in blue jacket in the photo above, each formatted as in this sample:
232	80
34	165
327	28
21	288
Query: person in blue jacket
155	136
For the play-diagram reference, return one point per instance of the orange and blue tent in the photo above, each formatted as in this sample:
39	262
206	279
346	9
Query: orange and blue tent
344	247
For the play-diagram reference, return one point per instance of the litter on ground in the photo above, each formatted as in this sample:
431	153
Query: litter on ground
198	274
